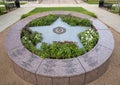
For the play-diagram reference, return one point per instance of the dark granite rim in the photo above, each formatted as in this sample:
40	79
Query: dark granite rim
81	70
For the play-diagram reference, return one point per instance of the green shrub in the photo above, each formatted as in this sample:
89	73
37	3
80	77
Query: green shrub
115	9
88	38
56	50
85	22
36	37
47	20
30	39
60	50
74	21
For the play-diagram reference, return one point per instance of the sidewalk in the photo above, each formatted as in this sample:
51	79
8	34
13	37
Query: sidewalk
8	19
106	17
110	19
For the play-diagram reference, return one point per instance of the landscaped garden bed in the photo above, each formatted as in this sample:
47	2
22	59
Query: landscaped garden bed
78	70
59	50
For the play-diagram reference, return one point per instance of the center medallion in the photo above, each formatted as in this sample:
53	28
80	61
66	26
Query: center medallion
59	30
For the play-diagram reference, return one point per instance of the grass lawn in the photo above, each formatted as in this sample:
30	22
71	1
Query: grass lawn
76	9
97	1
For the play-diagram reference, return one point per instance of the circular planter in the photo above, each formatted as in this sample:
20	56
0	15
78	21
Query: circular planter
74	71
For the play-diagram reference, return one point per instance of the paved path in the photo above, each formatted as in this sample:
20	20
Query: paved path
12	17
112	20
57	2
108	18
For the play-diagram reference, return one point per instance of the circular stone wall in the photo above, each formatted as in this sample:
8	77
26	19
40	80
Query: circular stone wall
74	71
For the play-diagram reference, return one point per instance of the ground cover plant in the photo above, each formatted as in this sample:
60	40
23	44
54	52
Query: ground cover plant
73	21
88	38
75	9
59	50
48	20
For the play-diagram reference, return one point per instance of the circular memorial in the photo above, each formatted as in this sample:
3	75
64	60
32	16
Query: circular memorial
33	65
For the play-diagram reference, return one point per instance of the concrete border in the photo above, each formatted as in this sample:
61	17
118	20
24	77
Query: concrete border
75	71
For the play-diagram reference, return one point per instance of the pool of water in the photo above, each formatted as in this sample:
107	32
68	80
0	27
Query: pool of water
64	32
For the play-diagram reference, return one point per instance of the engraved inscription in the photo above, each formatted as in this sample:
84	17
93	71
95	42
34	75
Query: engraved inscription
14	54
92	64
69	66
66	61
48	70
26	64
50	64
70	70
90	61
97	48
20	51
49	67
31	59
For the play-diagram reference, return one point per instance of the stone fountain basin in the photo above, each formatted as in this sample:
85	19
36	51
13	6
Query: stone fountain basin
75	71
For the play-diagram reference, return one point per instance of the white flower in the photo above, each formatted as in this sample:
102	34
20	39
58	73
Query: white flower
29	41
88	32
89	29
87	38
86	35
90	39
25	38
82	37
